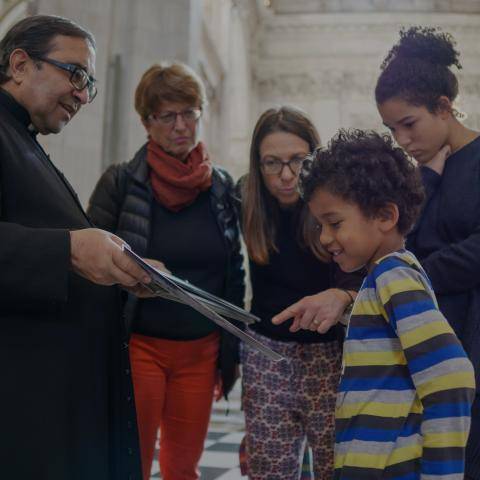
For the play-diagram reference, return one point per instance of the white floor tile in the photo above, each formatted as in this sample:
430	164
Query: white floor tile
219	459
233	474
234	437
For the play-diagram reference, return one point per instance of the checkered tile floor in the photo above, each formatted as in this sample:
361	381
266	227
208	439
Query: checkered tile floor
220	456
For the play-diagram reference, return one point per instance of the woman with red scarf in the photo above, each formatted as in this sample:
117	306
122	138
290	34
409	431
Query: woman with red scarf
172	205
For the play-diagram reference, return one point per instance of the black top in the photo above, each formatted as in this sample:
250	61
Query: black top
446	239
292	273
193	250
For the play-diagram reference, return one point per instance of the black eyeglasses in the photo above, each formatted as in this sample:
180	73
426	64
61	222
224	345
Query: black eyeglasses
274	166
79	78
169	118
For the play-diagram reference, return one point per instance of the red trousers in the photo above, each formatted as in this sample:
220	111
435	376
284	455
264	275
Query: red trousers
174	383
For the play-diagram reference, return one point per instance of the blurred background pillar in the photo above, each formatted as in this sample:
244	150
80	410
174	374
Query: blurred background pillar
322	55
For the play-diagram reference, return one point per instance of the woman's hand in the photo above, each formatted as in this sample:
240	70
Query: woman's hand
316	312
437	163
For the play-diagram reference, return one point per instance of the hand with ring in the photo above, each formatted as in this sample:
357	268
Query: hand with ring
317	313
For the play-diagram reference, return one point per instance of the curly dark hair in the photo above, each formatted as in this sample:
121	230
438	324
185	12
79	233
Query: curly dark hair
416	69
365	168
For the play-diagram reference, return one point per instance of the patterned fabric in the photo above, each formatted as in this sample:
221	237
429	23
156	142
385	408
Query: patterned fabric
306	473
288	403
403	407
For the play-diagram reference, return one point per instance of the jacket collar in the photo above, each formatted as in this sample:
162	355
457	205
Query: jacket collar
137	168
16	110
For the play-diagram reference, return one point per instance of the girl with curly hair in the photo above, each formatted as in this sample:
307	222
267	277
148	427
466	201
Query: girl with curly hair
415	95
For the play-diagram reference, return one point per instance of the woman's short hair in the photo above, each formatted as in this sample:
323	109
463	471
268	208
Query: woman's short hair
416	69
168	82
259	208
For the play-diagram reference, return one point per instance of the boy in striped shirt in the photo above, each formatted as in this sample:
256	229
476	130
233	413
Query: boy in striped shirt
403	406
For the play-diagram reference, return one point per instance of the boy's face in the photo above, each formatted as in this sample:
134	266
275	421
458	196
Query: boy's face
353	239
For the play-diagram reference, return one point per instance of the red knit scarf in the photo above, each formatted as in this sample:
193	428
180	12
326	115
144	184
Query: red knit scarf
176	184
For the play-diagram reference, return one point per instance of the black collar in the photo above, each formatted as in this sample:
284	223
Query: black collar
15	109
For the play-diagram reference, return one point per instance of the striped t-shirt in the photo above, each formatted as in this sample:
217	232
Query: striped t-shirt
403	407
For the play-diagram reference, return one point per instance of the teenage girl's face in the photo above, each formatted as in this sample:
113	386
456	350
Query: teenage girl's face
283	147
418	131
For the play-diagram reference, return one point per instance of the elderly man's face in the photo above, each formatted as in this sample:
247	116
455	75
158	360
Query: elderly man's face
47	93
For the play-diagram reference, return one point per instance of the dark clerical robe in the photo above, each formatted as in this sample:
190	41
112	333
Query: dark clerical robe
66	401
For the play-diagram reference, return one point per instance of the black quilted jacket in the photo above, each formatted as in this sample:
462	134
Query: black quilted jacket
121	203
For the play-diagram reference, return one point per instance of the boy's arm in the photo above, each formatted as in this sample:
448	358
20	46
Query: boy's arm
442	374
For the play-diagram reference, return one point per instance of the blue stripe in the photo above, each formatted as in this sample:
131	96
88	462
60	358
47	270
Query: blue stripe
432	358
364	333
369	282
387	265
375	383
447	410
375	434
414	308
442	468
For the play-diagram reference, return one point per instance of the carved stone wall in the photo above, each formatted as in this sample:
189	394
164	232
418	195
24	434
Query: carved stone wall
321	55
285	7
328	63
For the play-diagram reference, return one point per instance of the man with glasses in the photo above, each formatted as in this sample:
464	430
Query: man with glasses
66	409
79	78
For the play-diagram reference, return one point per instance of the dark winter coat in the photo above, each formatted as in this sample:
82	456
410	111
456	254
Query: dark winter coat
446	240
66	406
122	202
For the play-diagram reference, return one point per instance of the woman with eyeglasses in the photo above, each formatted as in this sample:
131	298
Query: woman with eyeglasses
291	402
173	206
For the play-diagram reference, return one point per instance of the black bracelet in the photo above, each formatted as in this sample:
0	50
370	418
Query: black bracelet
352	300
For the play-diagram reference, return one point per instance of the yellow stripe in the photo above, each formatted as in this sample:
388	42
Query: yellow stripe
360	460
367	307
445	440
378	409
425	332
357	359
446	382
370	460
399	286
